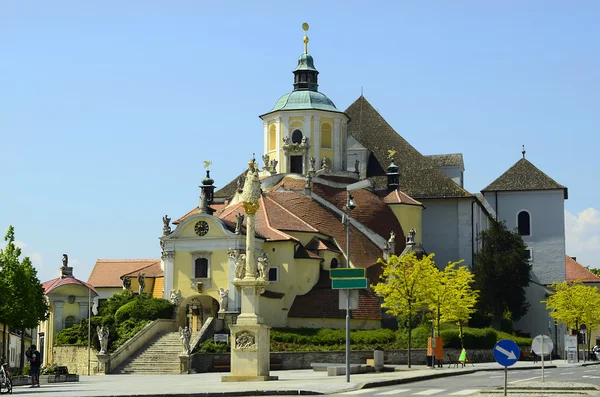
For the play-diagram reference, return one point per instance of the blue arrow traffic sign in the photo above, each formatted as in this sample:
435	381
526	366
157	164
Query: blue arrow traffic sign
506	352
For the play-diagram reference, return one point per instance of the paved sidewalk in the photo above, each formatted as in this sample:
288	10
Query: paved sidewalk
293	382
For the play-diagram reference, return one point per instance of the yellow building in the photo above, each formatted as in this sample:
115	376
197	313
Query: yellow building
299	225
69	301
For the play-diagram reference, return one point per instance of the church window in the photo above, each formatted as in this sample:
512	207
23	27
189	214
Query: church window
70	321
529	253
273	274
326	135
524	223
272	137
334	264
297	136
201	268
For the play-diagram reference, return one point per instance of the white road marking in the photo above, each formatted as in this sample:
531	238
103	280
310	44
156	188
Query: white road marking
464	392
591	376
567	373
360	391
526	379
496	376
391	392
428	392
590	370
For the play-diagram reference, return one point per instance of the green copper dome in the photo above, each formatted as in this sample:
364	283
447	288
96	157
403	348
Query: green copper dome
300	100
306	62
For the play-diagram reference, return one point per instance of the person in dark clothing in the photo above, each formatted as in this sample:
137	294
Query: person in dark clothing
35	362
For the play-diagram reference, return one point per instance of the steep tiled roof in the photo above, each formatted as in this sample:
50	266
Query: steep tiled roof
229	190
318	243
108	272
323	302
576	271
51	285
398	197
364	252
447	160
370	210
152	270
215	206
420	177
524	176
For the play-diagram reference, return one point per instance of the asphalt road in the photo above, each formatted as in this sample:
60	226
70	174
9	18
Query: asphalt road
472	384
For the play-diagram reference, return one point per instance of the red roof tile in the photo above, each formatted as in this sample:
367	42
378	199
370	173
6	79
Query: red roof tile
152	270
51	285
398	197
576	271
108	272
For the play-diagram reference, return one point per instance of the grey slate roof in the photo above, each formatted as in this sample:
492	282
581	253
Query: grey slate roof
228	190
524	176
448	160
420	177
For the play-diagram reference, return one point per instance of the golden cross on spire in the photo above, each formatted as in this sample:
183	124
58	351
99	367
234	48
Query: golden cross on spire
305	28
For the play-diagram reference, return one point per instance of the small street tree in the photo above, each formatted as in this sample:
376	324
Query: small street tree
574	304
502	257
23	305
404	288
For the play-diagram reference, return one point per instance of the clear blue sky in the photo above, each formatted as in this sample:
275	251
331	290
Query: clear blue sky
107	110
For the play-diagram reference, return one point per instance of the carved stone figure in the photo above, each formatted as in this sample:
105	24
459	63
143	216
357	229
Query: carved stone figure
356	167
392	237
411	236
304	141
239	220
175	297
65	260
308	181
274	164
103	338
244	340
240	184
141	282
239	260
312	162
287	141
166	225
223	301
263	266
126	283
185	334
252	191
265	159
325	163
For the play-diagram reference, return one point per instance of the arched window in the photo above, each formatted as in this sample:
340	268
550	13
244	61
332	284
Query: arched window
297	136
524	223
334	264
201	268
69	321
326	135
272	137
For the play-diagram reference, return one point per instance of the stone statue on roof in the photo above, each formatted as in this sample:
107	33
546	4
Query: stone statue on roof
240	184
65	260
356	167
312	162
265	159
274	165
141	282
166	225
411	236
126	283
325	163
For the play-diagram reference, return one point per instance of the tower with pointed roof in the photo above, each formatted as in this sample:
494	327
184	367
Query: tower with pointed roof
305	124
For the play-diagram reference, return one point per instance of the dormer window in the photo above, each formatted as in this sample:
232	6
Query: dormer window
524	223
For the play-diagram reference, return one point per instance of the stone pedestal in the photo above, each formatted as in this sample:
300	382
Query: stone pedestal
250	354
103	363
184	363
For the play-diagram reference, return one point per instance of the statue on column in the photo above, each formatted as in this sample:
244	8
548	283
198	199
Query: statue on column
312	162
265	159
65	260
239	220
127	283
252	191
103	333
263	266
185	334
239	262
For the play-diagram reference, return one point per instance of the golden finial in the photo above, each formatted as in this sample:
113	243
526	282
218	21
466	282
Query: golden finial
207	164
305	28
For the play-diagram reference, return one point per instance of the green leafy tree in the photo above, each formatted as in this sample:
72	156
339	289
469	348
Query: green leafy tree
502	257
404	288
593	270
574	304
23	304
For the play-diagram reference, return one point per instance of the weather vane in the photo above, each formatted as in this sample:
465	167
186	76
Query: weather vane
391	153
207	163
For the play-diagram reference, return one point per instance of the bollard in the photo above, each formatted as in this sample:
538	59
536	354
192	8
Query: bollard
378	359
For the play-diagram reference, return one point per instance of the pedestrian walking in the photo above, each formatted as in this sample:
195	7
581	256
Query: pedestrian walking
35	362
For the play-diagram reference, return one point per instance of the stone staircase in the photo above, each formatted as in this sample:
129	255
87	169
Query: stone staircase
159	356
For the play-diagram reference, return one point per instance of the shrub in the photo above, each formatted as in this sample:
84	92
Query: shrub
210	346
144	307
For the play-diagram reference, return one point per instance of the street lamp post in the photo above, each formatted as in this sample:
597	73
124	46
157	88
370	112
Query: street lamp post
350	205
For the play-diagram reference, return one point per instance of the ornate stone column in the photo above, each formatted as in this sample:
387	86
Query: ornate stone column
58	316
167	258
250	339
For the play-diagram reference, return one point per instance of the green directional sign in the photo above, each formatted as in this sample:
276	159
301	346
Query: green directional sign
347	273
349	283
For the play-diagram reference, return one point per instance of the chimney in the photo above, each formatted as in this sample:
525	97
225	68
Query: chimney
574	258
393	177
206	194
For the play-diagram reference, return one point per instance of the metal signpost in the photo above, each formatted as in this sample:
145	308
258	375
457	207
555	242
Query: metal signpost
583	329
542	345
506	353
